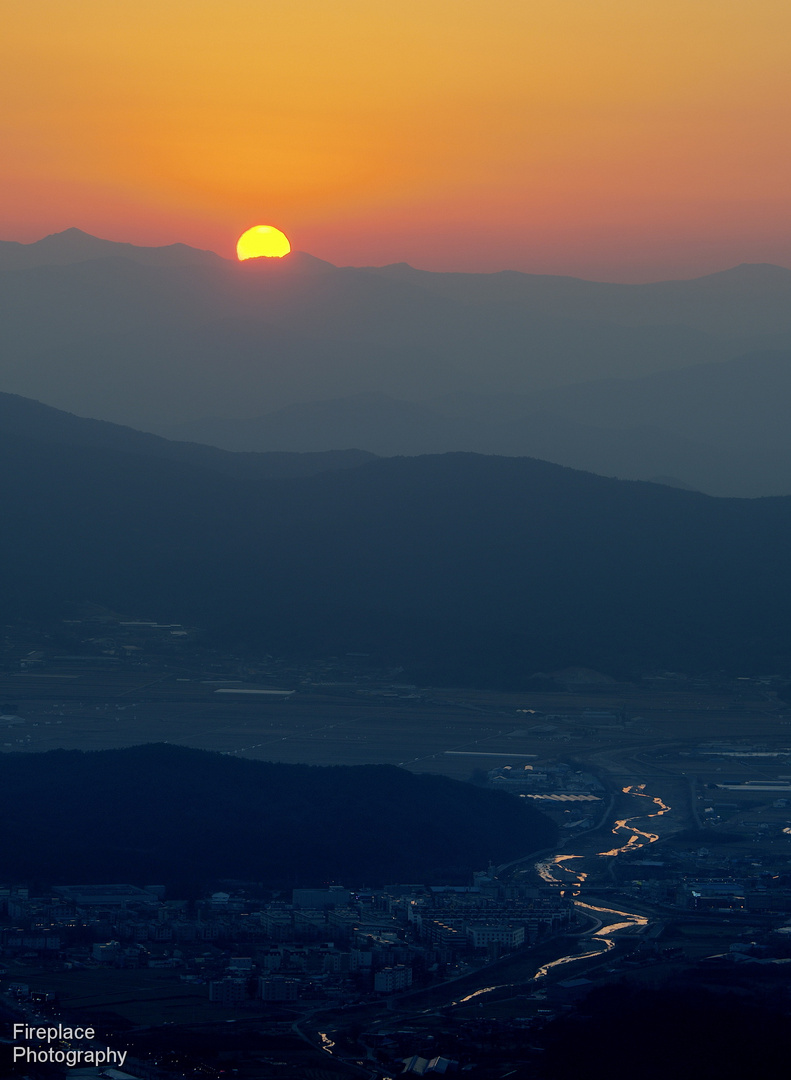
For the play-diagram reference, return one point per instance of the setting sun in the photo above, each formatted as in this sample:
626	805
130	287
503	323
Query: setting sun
262	240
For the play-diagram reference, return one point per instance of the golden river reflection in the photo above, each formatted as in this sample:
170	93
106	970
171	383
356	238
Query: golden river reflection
638	837
565	871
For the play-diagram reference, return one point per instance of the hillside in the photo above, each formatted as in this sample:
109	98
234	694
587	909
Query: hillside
465	569
188	818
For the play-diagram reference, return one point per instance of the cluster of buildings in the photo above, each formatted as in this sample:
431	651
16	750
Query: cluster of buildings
707	880
331	942
572	798
326	943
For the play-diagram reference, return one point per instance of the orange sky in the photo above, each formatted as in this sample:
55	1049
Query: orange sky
620	139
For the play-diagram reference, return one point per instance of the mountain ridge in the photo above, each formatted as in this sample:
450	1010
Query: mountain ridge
154	346
464	569
74	241
147	346
74	245
720	427
28	419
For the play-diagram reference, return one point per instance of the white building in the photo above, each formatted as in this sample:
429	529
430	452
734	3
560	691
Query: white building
483	934
391	979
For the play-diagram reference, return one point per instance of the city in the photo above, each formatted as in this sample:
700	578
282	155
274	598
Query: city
672	801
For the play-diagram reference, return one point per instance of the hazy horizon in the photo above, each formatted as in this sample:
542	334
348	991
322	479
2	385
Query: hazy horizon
681	379
30	237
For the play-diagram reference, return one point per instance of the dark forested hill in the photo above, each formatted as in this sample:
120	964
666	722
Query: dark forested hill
468	569
187	818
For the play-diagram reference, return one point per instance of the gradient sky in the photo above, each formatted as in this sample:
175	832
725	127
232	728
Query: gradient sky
615	139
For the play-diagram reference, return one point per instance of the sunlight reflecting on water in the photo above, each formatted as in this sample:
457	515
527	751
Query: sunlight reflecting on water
477	993
542	971
548	872
639	837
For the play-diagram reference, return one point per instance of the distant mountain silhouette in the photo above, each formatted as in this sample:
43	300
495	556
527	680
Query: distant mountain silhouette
30	420
75	246
743	300
728	421
670	481
371	419
731	403
186	818
465	569
720	428
388	427
159	336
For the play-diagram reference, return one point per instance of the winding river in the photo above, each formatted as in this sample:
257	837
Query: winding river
570	871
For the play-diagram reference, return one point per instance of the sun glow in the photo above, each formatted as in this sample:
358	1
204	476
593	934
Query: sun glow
262	240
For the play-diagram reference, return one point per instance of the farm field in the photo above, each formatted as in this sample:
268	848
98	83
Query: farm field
451	732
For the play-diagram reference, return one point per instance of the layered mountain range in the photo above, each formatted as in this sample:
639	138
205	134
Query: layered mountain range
466	569
684	380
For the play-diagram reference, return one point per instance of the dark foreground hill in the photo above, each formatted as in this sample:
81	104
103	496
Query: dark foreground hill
187	818
716	1024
